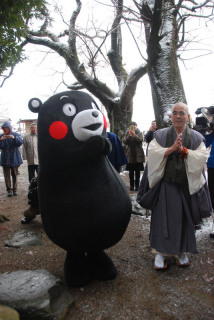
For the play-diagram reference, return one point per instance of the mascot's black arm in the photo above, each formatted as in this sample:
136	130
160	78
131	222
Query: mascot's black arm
90	149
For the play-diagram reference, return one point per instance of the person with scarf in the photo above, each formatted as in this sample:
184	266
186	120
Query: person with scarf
11	159
176	159
135	154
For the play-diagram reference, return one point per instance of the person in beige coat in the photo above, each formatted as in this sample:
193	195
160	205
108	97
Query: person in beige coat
30	151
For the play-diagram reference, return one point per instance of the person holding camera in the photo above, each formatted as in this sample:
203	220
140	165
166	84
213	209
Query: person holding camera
134	151
150	134
205	125
210	162
11	159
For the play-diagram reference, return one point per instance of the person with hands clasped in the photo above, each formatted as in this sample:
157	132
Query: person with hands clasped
176	159
134	151
10	157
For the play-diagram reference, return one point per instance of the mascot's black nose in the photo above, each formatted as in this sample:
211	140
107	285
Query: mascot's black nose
95	114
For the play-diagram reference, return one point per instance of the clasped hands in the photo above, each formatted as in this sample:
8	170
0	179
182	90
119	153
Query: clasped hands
177	146
131	132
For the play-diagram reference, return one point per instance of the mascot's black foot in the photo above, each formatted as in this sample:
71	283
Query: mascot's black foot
101	266
76	270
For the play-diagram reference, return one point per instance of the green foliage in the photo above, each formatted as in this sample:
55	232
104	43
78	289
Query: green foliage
14	18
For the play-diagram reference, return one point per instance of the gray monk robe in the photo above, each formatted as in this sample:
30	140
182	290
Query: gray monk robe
183	197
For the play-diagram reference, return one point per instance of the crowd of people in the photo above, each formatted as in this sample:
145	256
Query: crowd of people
174	184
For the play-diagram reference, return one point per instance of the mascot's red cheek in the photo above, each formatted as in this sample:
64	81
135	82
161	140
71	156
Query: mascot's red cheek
58	130
105	122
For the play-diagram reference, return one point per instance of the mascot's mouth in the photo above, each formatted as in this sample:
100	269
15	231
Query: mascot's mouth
93	127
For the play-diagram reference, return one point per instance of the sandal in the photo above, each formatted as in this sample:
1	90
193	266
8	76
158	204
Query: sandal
182	260
160	262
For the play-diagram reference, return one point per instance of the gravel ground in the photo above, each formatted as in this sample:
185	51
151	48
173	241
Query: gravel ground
139	291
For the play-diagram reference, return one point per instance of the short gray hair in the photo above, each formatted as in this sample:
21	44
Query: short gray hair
181	104
33	124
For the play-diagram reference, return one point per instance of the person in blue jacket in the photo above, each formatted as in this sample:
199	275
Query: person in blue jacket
117	156
210	170
11	159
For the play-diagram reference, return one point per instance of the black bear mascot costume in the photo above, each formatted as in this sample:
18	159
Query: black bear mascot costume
84	204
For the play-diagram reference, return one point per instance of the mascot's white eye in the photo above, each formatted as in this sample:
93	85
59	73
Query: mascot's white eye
69	109
94	106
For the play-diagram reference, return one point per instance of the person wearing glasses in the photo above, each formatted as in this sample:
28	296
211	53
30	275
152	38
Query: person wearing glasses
176	159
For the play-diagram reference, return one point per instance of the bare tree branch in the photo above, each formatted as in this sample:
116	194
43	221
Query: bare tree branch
198	6
75	86
115	54
45	33
133	78
7	76
181	25
136	42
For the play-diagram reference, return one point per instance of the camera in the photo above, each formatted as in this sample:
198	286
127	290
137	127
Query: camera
205	119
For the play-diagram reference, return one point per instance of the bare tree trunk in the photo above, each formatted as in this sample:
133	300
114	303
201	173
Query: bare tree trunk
119	105
163	69
119	120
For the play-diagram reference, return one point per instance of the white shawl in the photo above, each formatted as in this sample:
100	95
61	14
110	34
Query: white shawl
194	163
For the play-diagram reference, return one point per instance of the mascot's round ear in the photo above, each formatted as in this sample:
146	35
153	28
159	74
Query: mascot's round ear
34	105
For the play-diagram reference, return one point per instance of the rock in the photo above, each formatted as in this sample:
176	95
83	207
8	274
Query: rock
24	238
35	294
7	313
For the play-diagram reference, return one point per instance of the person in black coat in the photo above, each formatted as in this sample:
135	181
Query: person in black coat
33	201
117	157
150	134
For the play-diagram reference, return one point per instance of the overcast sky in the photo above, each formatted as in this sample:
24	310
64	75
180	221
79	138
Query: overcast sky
33	79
